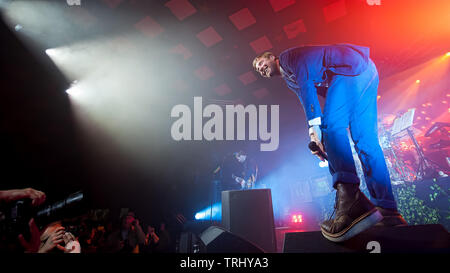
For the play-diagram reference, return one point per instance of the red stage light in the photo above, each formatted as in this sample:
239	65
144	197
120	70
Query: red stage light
334	11
278	5
292	30
242	19
209	37
261	93
149	27
203	73
222	90
181	8
261	44
247	77
297	218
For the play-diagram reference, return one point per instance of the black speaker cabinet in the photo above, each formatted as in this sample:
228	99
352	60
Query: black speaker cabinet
187	242
249	214
404	239
218	240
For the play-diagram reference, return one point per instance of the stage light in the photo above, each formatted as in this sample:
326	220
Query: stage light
18	27
205	214
73	89
50	52
417	81
297	218
447	54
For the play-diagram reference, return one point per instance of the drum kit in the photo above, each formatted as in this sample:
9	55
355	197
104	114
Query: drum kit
405	158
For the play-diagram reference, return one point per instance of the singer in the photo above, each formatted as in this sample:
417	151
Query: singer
348	79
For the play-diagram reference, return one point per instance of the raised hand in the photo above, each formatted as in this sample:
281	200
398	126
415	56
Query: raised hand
53	240
31	246
36	196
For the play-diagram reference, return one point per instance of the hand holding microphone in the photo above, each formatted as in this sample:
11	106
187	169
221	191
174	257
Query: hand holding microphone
315	145
315	149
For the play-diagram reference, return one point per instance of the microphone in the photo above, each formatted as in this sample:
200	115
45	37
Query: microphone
313	147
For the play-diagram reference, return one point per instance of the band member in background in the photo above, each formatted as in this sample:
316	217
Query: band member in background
247	173
349	80
239	172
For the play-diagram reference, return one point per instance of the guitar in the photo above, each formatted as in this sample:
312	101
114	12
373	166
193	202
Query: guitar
249	184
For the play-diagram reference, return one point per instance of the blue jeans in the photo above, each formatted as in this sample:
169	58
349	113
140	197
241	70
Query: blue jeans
351	102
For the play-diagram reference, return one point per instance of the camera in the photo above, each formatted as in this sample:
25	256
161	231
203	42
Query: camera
15	217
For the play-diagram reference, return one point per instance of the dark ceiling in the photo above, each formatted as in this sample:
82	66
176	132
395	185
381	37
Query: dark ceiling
210	45
214	42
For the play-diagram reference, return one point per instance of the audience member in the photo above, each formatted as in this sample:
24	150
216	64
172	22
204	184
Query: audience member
151	240
164	245
37	197
90	235
128	237
53	236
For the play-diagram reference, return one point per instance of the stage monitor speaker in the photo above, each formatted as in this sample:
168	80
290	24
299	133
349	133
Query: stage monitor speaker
401	239
249	214
218	240
186	242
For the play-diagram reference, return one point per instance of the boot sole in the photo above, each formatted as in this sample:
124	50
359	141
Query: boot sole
391	221
362	223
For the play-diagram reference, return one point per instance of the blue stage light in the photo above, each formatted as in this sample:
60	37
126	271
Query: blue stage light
205	214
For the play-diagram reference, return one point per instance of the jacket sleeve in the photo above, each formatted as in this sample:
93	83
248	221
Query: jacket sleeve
308	93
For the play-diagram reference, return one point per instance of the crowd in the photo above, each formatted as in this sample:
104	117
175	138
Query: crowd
85	233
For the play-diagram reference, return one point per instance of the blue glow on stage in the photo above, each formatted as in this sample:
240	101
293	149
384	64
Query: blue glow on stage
205	214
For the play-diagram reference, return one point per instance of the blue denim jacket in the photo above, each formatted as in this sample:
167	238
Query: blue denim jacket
304	68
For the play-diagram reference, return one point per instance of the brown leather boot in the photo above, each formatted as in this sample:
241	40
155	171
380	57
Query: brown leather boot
391	218
354	214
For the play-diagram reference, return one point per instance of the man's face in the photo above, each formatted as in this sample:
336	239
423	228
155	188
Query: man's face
267	67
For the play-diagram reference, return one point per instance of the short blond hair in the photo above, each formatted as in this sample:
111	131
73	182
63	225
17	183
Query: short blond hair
266	54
